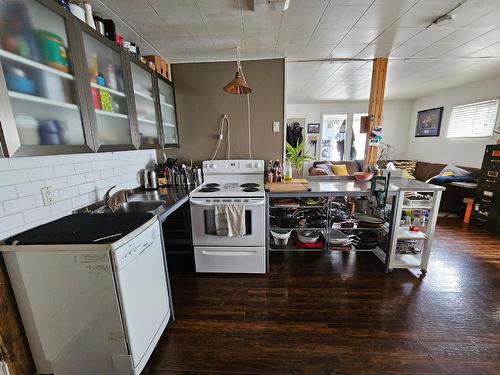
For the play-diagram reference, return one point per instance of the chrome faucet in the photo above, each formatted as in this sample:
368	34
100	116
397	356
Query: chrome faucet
106	195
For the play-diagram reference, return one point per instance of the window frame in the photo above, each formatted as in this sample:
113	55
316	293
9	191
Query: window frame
449	124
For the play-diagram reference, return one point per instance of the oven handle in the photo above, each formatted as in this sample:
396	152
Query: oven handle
258	203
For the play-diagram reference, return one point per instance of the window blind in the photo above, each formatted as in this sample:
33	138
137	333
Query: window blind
473	120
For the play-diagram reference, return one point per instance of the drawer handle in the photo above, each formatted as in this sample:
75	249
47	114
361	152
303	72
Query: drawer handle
486	200
229	253
491	180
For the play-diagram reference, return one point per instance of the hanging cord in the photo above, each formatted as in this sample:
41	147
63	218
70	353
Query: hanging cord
249	129
238	61
224	120
228	131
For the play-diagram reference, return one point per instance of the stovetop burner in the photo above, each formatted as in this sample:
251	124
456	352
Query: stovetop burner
250	189
212	185
250	185
209	189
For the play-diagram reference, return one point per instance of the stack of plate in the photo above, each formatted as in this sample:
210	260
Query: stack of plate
368	221
339	240
368	239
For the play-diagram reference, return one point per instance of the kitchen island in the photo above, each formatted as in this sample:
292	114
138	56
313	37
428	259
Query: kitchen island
335	204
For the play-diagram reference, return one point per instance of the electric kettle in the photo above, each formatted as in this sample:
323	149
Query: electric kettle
150	179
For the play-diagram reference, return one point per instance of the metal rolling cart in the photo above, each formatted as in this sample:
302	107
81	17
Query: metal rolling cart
392	235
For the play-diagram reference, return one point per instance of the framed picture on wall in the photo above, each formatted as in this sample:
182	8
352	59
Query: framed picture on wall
429	122
313	128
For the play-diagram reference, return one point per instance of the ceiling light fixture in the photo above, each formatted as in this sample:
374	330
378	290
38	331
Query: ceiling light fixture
238	86
446	18
286	5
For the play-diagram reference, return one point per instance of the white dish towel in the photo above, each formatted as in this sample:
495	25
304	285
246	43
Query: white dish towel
230	219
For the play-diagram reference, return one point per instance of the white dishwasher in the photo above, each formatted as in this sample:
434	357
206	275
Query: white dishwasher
91	307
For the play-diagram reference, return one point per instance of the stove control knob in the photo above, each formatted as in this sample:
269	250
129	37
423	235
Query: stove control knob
255	165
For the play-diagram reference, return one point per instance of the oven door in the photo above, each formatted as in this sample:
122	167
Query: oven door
203	222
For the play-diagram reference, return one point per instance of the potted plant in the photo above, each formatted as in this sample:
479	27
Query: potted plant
296	157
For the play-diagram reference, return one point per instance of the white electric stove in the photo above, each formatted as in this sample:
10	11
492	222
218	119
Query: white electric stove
230	181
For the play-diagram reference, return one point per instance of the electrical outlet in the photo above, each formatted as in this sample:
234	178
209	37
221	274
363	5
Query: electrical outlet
48	195
276	126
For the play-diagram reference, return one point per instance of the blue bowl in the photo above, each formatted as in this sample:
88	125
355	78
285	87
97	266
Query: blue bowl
19	84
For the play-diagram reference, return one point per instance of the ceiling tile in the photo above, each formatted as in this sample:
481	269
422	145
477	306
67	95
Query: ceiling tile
341	16
348	50
361	35
329	36
381	16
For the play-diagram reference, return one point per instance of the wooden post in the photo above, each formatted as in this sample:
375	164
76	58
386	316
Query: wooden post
375	109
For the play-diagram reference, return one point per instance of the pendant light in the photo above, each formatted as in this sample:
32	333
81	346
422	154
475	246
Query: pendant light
238	86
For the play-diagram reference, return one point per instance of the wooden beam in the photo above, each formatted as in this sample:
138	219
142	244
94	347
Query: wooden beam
376	106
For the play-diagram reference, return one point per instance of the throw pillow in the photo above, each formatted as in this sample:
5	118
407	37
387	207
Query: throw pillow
340	170
456	171
317	172
326	167
407	165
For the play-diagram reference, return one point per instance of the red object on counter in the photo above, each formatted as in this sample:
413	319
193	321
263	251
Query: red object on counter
414	229
96	98
119	40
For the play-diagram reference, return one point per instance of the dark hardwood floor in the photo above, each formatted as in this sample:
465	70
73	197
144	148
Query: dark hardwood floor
340	314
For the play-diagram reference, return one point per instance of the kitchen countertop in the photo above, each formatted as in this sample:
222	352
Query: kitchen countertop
351	187
174	196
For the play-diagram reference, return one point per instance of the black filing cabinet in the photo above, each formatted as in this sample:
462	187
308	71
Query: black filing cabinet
487	199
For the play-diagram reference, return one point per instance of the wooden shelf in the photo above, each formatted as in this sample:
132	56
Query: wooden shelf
40	100
111	114
33	64
111	91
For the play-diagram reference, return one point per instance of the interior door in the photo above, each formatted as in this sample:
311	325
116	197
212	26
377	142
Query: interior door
335	137
341	137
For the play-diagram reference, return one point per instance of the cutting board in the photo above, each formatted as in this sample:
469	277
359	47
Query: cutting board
294	185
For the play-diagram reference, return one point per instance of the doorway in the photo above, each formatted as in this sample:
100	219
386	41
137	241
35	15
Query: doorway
341	137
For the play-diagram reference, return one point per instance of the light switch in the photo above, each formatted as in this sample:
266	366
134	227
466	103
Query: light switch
276	126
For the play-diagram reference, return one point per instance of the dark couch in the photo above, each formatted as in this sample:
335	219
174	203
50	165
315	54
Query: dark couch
451	198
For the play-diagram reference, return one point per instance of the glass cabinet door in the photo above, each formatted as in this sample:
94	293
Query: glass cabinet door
168	116
145	107
38	92
107	86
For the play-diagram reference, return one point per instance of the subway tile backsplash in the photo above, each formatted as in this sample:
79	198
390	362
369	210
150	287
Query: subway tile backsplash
78	180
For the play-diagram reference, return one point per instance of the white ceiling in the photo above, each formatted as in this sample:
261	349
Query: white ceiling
208	30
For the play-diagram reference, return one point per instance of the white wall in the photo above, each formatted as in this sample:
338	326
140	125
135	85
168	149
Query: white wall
395	123
459	151
78	181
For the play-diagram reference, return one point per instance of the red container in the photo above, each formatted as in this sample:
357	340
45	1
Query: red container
96	98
